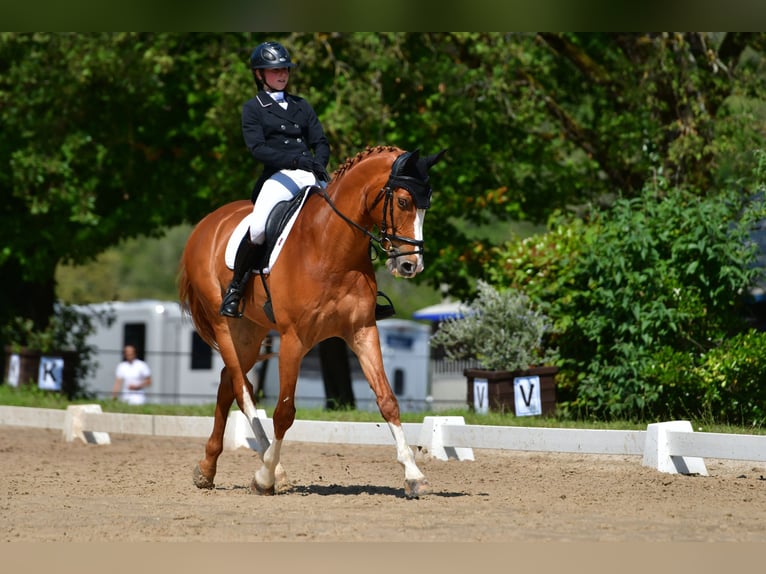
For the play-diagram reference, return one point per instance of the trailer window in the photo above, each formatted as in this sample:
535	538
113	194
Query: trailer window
135	334
202	354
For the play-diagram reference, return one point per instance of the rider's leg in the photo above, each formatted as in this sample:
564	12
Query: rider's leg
246	258
281	186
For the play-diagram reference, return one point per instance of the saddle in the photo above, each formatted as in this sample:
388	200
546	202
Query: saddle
277	221
278	227
280	216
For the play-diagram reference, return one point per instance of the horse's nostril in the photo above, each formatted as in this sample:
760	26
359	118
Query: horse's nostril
407	267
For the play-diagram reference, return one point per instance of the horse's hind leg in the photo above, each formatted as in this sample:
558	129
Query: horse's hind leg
204	472
244	352
273	475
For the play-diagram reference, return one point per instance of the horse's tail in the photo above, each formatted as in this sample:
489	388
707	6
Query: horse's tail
194	307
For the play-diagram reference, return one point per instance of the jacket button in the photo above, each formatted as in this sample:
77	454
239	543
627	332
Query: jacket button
283	126
299	140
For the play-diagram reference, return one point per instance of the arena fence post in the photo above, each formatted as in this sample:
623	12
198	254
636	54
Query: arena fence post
432	439
657	449
74	427
239	433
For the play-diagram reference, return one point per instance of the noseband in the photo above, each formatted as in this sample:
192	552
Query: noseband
386	239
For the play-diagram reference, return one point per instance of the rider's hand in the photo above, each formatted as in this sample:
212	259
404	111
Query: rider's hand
304	162
320	172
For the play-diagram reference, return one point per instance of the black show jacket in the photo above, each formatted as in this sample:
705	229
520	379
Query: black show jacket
276	137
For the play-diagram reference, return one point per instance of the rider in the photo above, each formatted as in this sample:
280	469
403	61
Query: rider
282	131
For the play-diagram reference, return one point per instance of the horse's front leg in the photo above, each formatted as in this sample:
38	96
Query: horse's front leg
366	345
284	415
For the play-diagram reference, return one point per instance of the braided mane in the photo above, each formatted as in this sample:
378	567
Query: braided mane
369	150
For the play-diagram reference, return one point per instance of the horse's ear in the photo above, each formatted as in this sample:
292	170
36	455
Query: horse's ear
413	158
406	163
435	158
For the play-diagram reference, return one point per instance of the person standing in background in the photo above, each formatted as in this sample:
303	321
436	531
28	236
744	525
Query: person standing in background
132	377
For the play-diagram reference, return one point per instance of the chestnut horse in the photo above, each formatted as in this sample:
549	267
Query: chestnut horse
322	285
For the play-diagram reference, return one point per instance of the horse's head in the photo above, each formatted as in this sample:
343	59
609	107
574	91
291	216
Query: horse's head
406	197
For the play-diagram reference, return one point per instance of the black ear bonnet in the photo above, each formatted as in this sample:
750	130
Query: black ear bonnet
409	171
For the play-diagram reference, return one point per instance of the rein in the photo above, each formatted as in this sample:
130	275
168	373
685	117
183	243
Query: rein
385	239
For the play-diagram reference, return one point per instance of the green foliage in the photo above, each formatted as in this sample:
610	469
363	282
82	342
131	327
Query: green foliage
671	374
724	384
111	136
138	268
500	329
732	377
105	137
665	272
638	295
141	130
32	396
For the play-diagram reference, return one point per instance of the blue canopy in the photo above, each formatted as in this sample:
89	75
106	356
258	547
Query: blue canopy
440	311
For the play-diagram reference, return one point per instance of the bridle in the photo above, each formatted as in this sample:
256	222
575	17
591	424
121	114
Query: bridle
420	192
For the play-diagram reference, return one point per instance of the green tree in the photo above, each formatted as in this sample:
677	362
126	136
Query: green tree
101	141
111	136
541	122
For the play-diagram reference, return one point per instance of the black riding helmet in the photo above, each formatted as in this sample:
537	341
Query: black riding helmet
270	55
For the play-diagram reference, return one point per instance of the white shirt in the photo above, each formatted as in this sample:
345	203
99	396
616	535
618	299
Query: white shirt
133	373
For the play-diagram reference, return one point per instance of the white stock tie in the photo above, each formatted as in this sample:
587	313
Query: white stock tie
279	97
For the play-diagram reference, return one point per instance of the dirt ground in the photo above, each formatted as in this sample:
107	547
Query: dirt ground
139	489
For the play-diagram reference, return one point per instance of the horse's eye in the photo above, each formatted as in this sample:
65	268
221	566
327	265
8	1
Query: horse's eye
403	203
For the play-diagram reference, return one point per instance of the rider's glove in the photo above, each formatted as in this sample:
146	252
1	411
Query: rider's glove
320	172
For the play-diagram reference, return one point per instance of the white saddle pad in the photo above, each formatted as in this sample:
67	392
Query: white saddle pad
244	227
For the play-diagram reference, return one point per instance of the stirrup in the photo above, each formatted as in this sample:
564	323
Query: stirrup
384	311
232	298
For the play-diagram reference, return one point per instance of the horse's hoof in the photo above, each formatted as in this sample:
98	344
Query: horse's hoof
255	488
281	483
416	488
201	481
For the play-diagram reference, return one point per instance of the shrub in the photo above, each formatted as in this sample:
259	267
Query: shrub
732	377
680	389
646	281
500	329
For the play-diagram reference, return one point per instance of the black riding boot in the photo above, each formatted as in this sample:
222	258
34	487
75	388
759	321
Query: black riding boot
248	255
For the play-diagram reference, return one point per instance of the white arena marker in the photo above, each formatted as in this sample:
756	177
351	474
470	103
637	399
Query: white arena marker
432	439
239	432
658	449
73	425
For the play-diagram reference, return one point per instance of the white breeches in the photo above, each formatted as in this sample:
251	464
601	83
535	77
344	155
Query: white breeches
282	186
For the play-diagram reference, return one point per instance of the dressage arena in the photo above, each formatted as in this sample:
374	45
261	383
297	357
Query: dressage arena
139	488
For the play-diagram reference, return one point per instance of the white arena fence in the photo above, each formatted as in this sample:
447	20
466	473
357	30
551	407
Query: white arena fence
671	447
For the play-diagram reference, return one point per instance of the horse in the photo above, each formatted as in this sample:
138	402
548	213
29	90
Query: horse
322	285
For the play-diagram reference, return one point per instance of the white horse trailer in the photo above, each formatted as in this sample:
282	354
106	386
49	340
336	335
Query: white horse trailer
406	356
185	370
